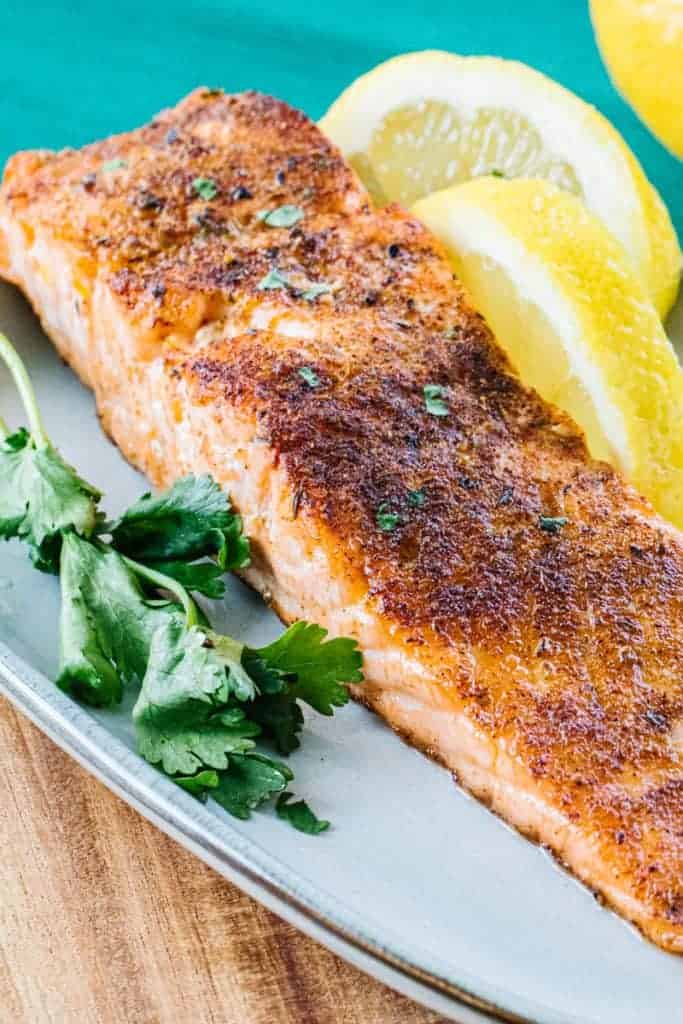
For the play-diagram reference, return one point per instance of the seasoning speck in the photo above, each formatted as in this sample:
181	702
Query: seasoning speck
393	250
150	203
416	499
88	181
241	192
656	719
172	136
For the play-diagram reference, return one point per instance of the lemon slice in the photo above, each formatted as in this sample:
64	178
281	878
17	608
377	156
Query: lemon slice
427	120
561	297
642	45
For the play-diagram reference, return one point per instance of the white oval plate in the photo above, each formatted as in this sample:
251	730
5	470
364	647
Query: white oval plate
416	883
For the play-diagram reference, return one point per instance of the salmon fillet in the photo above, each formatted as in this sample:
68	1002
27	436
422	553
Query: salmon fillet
538	659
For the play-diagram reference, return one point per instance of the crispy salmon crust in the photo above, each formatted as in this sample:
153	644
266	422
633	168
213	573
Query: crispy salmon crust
521	609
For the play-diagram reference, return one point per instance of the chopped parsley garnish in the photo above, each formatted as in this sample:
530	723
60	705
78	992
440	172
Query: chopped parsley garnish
206	703
114	165
309	376
314	289
205	188
435	404
282	216
416	499
552	524
308	291
495	173
273	279
386	519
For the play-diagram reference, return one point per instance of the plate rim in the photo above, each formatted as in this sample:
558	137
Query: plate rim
238	858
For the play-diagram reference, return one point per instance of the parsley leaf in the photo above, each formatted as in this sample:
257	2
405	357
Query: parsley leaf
251	779
300	815
416	499
386	519
200	577
315	669
186	716
40	495
280	718
205	188
309	291
191	520
314	289
282	217
309	376
434	400
204	697
275	709
199	784
106	625
273	279
552	524
116	164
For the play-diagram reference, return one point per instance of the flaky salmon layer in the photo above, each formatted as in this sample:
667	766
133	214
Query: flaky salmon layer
521	612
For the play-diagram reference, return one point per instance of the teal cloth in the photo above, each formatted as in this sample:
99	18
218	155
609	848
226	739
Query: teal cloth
72	72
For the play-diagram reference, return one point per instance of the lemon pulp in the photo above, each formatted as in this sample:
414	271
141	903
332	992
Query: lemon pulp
419	149
424	121
560	295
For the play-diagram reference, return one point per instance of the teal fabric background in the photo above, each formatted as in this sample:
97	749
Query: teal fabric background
71	72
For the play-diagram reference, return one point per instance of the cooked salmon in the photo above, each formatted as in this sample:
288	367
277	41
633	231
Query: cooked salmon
222	281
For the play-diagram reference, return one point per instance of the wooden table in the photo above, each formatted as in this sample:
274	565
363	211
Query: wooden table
104	920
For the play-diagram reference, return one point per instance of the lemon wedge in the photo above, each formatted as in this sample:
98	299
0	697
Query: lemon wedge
642	45
561	296
424	121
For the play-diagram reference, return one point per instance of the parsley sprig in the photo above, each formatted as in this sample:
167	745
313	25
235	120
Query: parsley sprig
207	705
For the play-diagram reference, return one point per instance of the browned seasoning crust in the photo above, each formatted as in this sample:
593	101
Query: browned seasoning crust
563	639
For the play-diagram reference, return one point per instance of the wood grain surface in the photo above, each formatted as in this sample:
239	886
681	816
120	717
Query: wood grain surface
104	920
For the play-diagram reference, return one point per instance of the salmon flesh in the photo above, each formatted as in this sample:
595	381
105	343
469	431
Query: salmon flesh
223	282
